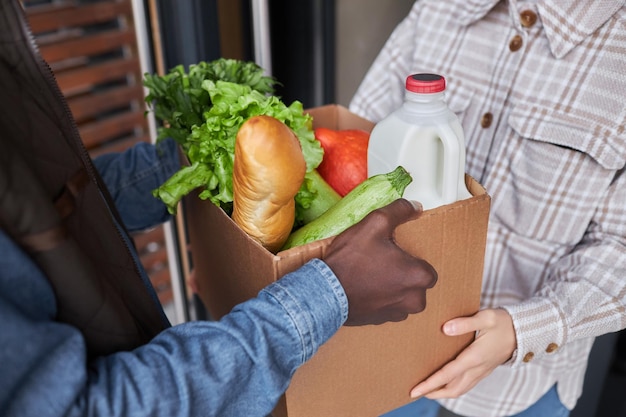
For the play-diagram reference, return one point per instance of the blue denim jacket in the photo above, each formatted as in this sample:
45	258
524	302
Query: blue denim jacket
238	366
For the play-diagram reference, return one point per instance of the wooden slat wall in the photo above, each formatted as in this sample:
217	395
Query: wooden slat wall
92	49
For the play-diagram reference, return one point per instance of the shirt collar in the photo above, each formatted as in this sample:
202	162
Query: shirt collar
567	22
470	11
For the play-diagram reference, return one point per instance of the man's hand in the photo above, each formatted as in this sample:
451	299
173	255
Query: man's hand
382	282
494	344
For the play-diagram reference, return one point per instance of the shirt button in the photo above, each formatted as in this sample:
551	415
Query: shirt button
486	120
528	18
516	43
528	357
552	347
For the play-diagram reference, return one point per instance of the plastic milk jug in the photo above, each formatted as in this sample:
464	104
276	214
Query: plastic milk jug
426	138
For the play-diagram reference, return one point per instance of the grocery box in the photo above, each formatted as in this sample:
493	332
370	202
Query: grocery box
361	371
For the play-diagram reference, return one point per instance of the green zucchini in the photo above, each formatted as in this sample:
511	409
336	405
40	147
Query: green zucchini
373	193
325	199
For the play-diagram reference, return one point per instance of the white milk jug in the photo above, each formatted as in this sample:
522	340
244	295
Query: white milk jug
426	138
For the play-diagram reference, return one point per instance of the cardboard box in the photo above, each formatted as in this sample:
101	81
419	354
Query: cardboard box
361	371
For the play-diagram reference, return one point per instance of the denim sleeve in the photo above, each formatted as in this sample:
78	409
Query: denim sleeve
238	366
130	177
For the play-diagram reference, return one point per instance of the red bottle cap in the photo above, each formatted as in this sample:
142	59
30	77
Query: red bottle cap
425	83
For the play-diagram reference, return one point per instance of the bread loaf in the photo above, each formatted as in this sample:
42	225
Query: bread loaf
268	171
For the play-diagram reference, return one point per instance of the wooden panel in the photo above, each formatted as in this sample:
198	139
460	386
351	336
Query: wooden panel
92	49
151	247
144	239
82	46
162	283
52	17
154	260
81	79
90	105
97	133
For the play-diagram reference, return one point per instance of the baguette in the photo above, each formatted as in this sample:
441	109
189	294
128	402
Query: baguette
268	171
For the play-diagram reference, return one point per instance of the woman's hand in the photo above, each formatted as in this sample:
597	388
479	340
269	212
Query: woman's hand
494	344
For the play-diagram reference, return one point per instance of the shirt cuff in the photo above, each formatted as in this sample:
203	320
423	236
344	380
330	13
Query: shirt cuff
315	301
540	329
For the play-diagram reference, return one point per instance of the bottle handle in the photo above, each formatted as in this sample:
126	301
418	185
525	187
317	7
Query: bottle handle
450	174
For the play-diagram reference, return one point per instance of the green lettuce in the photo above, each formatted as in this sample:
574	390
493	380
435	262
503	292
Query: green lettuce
179	100
210	144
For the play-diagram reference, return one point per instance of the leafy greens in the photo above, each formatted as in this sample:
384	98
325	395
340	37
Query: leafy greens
203	111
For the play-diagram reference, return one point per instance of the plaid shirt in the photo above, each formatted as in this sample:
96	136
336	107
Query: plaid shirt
540	88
